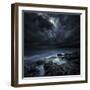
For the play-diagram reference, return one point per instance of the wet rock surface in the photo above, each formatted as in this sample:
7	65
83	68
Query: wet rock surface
62	64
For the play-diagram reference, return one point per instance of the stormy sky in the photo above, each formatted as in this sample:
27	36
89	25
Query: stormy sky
51	30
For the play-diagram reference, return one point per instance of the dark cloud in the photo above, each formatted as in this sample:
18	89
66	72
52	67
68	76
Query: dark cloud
46	30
